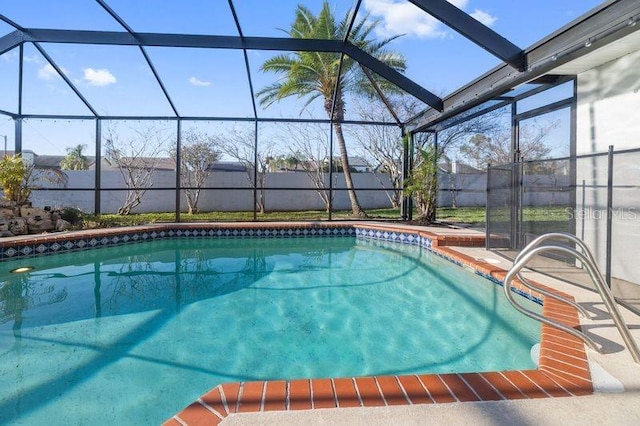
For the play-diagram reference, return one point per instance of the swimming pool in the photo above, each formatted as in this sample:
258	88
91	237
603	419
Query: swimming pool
133	323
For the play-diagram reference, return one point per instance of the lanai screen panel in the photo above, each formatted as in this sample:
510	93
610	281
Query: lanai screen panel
44	90
547	19
176	17
60	15
116	80
208	83
305	106
9	63
437	57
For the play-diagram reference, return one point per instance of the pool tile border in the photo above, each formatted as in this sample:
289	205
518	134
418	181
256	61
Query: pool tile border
563	368
38	245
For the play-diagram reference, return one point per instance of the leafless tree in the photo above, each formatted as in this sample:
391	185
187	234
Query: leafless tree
382	144
199	152
240	145
310	145
136	154
447	140
494	147
385	144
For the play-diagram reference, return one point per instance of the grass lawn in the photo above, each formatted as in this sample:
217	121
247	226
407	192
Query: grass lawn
543	216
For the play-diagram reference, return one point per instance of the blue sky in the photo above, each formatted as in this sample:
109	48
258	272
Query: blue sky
116	80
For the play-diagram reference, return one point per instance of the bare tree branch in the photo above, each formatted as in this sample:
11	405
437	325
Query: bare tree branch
136	153
310	145
240	145
199	152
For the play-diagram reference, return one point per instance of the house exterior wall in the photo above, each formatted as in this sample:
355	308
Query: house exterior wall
607	114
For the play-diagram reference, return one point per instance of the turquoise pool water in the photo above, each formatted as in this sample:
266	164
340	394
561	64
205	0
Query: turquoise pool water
132	334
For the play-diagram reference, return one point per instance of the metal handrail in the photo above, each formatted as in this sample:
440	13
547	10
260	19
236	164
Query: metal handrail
587	260
555	236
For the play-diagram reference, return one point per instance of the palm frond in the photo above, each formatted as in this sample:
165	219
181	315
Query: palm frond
310	75
279	63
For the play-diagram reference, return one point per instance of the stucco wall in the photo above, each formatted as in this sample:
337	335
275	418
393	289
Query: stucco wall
609	114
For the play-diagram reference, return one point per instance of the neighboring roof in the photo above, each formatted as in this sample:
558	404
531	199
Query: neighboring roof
457	167
356	161
47	161
228	166
160	163
157	163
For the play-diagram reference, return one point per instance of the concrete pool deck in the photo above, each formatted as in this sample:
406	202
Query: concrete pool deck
572	385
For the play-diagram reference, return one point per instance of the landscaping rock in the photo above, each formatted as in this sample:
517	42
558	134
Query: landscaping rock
38	225
62	225
7	213
34	212
18	226
29	220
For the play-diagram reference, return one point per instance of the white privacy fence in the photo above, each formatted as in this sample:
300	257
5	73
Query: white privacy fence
290	191
295	191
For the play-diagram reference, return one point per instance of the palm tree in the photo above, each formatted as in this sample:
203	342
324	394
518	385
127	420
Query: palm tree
75	159
313	75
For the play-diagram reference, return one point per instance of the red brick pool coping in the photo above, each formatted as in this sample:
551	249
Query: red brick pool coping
563	368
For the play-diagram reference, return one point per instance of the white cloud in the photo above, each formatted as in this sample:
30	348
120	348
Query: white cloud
405	18
47	72
33	58
11	56
101	77
484	17
196	82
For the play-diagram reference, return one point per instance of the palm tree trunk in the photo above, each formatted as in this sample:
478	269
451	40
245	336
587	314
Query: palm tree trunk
338	116
356	210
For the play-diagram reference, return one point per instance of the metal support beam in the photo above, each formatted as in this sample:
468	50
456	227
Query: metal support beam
159	80
246	58
199	118
10	22
178	168
17	141
381	95
467	117
336	87
255	171
10	41
475	31
564	103
20	77
330	171
609	22
98	169
181	40
8	113
233	42
395	77
609	249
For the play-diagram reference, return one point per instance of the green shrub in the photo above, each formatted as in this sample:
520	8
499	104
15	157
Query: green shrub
14	175
72	215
